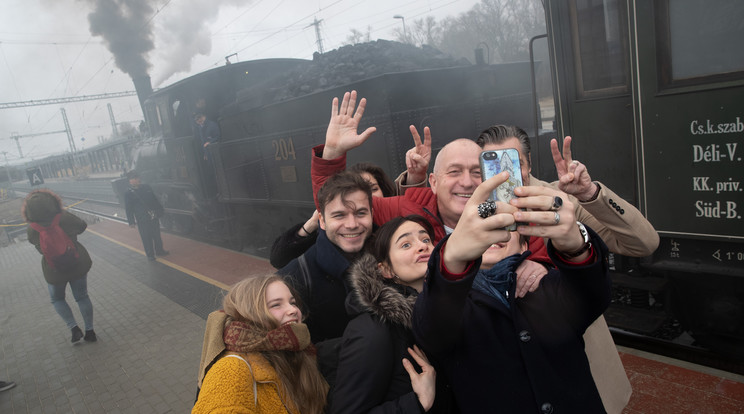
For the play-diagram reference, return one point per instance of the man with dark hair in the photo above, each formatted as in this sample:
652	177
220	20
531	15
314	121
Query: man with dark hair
320	274
144	211
622	227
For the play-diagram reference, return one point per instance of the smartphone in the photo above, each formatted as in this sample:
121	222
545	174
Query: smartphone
494	162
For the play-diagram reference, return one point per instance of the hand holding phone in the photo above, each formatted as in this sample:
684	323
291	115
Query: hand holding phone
494	162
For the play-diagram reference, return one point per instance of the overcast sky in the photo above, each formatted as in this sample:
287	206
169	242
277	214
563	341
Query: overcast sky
48	50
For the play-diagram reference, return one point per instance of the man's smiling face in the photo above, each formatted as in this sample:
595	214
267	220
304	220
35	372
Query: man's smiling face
348	221
456	174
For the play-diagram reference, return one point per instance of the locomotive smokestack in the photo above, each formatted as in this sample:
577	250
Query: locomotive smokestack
144	89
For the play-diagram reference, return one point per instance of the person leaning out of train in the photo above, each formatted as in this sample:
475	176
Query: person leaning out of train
209	133
506	354
375	373
300	237
257	355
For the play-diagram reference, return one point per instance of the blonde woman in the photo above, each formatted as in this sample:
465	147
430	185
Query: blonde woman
257	355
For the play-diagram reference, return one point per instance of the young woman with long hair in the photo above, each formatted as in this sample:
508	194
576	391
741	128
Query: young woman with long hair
257	355
375	368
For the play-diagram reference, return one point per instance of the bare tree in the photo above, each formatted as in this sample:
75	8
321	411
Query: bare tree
357	36
424	31
505	26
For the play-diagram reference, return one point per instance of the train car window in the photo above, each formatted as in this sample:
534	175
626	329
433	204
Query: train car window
699	42
599	32
165	118
154	122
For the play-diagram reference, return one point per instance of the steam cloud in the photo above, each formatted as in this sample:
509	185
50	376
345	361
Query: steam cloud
182	32
125	29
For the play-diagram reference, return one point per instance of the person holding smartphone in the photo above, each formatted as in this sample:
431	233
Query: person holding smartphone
501	353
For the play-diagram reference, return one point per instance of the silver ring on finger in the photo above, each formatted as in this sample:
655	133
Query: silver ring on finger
557	203
487	209
557	218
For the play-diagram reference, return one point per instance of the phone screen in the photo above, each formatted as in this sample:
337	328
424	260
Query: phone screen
494	162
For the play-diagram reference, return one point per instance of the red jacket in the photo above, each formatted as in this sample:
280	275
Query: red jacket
417	200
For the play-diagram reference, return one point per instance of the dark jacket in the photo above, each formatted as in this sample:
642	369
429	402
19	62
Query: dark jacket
139	201
209	132
323	300
370	376
41	207
525	358
288	246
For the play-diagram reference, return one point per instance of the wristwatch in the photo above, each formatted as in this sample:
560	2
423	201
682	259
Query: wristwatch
587	244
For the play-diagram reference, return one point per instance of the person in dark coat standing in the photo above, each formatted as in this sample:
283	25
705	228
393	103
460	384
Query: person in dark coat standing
144	211
507	354
42	206
374	372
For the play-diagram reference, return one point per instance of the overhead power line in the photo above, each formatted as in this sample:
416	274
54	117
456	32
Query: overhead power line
8	105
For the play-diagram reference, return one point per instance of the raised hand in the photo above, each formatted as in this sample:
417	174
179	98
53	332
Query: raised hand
473	234
573	177
559	225
418	157
423	384
310	225
341	135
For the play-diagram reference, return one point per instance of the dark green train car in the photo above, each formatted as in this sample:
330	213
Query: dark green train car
653	94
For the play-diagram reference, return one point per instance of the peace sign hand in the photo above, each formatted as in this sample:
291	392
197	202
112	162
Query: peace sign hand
573	177
418	157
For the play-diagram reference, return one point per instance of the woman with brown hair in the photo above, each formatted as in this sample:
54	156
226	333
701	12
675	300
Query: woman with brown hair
43	210
257	355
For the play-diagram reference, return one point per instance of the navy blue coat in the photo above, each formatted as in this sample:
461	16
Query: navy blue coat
525	358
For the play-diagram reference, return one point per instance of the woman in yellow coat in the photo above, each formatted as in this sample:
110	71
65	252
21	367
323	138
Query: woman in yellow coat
257	355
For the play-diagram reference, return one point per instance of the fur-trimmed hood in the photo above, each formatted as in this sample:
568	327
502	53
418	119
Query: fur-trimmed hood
381	297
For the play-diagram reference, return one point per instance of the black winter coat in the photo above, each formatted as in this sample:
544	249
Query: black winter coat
323	301
288	246
370	376
528	358
138	201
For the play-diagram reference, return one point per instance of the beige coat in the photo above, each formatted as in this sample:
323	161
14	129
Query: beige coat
625	231
622	228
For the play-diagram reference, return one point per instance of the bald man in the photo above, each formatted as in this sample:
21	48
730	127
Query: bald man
455	176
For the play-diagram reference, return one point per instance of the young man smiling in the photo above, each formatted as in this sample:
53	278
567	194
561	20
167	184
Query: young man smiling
320	274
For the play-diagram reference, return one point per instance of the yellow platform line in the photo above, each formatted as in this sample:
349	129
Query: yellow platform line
167	263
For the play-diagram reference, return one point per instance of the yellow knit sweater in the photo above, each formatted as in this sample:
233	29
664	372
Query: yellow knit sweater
228	387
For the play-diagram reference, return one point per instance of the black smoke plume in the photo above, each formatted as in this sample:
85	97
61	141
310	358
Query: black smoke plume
125	27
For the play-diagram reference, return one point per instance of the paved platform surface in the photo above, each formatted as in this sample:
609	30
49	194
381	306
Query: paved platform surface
149	317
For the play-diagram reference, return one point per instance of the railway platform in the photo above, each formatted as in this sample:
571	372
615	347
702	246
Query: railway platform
150	316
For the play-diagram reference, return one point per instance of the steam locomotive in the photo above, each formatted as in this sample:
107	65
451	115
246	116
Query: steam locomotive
654	107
